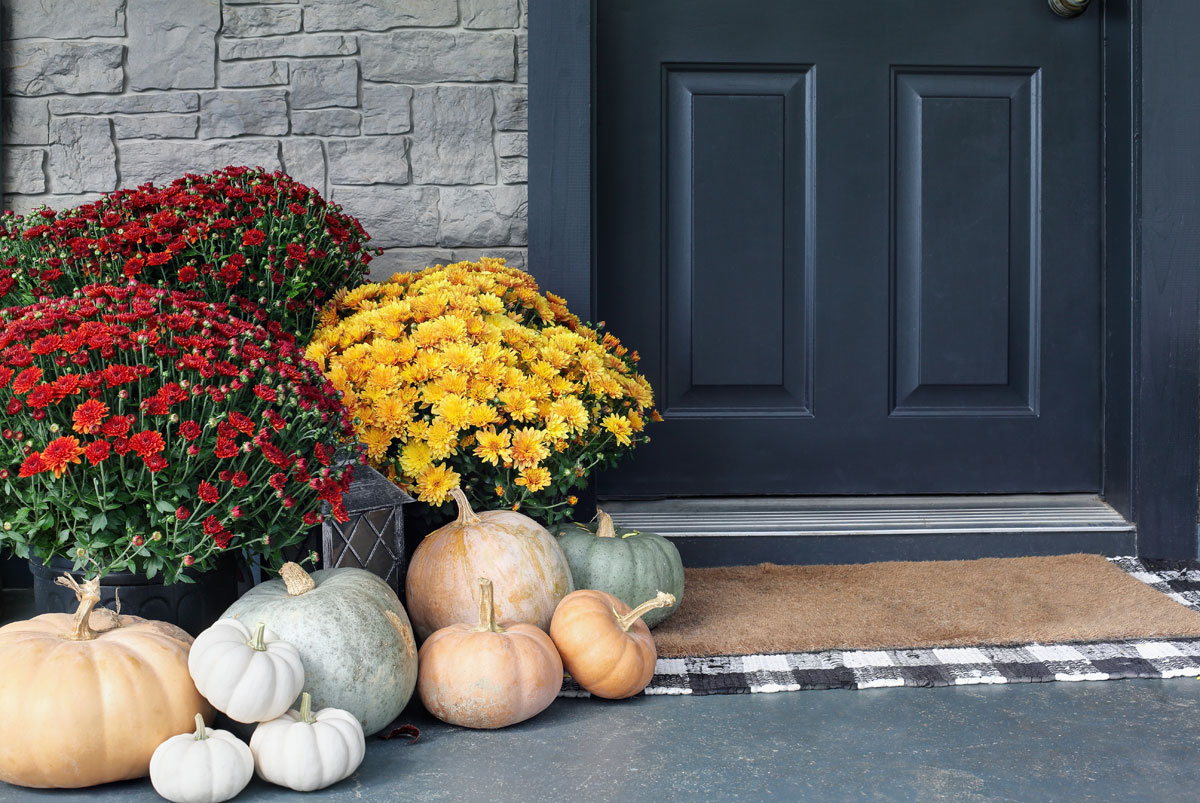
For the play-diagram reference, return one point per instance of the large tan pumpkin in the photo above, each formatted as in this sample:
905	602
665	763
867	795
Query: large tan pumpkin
605	646
524	562
488	675
86	698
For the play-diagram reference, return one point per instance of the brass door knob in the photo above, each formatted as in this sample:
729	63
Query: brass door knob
1069	8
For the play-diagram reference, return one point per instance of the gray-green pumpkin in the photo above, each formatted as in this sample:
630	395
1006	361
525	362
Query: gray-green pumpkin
631	565
353	635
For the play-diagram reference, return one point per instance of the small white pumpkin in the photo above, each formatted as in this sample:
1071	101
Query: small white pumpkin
207	766
251	677
306	751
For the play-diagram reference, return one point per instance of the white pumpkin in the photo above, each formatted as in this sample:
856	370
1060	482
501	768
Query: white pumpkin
306	751
207	766
251	677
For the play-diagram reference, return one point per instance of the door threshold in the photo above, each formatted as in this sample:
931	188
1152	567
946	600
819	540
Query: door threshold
725	531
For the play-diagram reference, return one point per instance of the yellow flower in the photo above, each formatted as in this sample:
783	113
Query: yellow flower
518	404
376	440
414	457
619	426
442	438
635	421
571	410
535	478
556	427
492	446
454	410
527	447
435	483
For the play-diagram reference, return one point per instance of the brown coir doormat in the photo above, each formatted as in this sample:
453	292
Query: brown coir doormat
746	610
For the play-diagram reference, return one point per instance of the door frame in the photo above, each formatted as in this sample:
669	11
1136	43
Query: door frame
1150	236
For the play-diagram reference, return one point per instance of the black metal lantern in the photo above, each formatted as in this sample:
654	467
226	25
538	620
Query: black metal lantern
373	538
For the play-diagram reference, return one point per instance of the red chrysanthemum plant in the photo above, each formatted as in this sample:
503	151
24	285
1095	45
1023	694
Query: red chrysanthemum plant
150	431
261	241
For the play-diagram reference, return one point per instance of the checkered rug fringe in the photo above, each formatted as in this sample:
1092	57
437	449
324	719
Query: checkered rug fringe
949	666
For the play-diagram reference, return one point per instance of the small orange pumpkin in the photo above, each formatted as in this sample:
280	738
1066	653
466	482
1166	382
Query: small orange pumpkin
488	676
605	646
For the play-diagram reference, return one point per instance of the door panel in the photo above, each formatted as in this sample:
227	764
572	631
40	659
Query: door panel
834	239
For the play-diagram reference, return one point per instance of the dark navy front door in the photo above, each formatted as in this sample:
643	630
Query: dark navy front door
856	243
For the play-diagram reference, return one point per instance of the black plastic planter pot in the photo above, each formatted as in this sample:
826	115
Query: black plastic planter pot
191	606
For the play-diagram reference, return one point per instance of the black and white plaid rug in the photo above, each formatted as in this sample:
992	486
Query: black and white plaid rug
949	666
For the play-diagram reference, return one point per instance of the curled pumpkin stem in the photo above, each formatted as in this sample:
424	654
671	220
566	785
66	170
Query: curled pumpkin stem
663	600
201	729
465	514
88	595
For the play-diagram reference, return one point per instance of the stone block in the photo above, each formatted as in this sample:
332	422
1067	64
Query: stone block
490	13
452	135
373	15
41	67
24	170
394	216
483	216
327	123
246	21
296	46
321	83
82	156
513	257
63	19
368	160
162	162
397	260
523	58
241	113
257	2
387	109
512	108
514	170
431	56
172	47
253	73
512	143
141	103
26	121
24	204
304	161
156	126
524	20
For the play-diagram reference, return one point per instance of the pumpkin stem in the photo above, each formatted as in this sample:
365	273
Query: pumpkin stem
296	579
88	595
201	730
487	613
605	529
306	714
257	642
663	600
465	514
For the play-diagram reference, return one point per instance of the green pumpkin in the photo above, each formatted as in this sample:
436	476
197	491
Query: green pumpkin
353	635
633	566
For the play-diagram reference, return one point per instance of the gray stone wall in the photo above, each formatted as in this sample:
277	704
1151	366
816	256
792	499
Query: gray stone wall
409	113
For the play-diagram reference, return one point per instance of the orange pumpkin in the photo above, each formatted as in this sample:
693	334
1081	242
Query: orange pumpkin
605	646
524	561
488	675
87	698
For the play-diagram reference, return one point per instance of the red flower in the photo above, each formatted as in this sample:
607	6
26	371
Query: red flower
208	492
236	512
241	422
40	396
96	452
66	385
182	513
277	481
27	379
187	274
225	448
146	443
117	426
6	374
155	462
214	527
87	416
189	430
240	480
253	237
34	464
312	517
265	393
61	452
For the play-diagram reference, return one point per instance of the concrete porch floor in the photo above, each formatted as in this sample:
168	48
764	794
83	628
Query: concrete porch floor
1112	740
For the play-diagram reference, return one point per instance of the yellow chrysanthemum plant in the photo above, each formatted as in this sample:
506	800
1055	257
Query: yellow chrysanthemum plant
466	375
